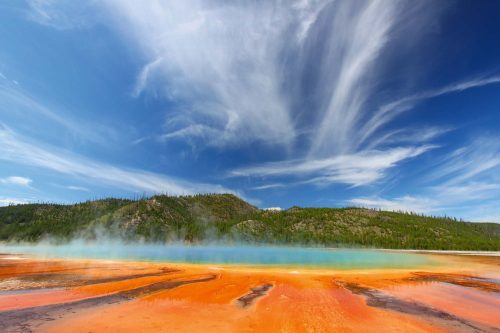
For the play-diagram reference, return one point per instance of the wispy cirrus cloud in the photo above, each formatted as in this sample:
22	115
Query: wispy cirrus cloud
389	111
268	186
77	188
239	71
19	150
244	72
405	203
476	203
407	136
63	15
219	61
17	103
72	187
358	169
465	181
478	159
463	200
346	72
352	169
15	100
274	72
339	169
16	180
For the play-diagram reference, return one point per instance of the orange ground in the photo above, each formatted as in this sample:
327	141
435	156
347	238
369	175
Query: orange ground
146	297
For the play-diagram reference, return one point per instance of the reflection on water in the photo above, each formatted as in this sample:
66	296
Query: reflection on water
251	255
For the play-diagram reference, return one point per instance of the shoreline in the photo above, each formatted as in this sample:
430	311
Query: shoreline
452	252
265	245
446	263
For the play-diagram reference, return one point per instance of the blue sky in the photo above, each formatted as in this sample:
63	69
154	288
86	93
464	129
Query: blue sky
386	104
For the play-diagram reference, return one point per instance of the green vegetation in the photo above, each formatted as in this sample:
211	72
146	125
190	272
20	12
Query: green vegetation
224	217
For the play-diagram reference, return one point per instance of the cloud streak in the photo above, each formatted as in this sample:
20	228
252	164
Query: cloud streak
405	203
353	169
349	58
389	111
16	149
17	103
465	182
16	180
77	188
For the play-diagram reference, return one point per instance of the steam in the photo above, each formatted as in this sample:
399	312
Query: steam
219	254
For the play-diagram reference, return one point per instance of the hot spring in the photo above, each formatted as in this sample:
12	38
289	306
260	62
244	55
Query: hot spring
223	254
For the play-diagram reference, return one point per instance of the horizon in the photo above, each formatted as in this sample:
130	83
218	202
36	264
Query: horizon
380	105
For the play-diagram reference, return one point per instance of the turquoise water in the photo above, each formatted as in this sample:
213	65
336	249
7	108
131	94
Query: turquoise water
218	254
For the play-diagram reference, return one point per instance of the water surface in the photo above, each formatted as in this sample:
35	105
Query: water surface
218	254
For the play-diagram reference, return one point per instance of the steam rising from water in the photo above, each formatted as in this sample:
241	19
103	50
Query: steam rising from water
218	254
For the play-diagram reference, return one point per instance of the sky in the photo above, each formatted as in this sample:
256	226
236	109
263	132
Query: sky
380	104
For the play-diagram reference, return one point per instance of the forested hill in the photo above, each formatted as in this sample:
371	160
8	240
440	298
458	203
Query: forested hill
226	218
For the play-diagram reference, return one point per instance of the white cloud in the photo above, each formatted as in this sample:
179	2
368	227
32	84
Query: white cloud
221	61
16	180
77	188
476	208
466	192
354	169
268	186
15	97
407	136
18	103
63	14
480	158
352	53
14	148
209	135
389	111
405	203
237	69
464	183
144	76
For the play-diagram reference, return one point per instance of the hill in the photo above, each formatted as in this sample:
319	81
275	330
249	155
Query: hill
226	218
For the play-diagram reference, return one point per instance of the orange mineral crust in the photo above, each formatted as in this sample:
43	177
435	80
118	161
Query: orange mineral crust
102	296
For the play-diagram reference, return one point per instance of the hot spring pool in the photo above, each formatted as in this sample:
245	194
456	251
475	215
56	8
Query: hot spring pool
219	254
